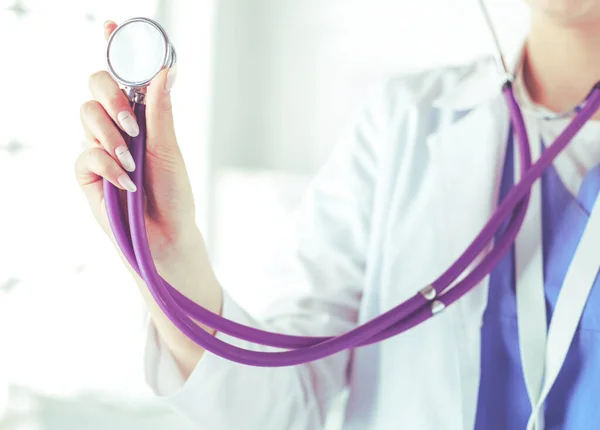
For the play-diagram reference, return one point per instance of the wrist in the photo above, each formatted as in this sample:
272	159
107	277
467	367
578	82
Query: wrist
177	248
186	266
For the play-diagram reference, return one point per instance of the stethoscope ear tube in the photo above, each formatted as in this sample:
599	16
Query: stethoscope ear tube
422	306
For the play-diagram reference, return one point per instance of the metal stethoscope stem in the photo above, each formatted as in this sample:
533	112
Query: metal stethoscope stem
426	303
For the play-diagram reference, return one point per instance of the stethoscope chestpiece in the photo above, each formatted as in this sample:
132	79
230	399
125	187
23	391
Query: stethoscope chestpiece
137	51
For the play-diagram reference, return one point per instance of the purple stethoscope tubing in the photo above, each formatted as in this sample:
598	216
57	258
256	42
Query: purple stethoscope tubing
182	311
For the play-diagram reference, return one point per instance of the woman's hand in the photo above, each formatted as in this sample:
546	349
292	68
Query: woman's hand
175	241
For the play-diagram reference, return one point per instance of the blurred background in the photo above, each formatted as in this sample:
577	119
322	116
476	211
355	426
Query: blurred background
263	88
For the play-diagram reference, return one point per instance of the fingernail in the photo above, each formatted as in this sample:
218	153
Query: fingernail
171	76
124	156
108	21
127	183
128	123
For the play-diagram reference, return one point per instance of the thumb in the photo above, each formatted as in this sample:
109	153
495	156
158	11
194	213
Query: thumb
159	114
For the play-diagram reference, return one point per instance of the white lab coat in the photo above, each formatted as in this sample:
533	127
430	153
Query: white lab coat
410	185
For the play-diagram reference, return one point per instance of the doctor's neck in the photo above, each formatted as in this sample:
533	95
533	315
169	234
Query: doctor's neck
562	61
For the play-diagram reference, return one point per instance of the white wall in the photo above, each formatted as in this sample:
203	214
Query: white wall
288	72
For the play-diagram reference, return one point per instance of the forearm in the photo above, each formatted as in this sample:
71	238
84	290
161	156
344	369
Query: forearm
191	274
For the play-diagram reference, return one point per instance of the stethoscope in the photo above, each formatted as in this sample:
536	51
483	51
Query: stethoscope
137	51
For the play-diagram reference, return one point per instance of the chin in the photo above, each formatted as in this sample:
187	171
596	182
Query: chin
568	11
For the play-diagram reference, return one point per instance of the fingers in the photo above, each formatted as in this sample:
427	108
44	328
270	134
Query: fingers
110	107
99	127
159	113
109	27
107	92
93	165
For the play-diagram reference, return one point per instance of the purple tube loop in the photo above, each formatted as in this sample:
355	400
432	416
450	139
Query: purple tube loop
402	317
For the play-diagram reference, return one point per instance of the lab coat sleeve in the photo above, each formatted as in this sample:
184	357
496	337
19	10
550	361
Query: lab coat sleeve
318	294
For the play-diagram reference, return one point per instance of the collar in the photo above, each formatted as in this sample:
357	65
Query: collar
482	85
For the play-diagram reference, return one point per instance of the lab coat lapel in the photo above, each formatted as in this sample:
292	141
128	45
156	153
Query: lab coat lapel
466	159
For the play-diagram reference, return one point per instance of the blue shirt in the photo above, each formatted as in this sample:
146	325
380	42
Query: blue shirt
574	400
